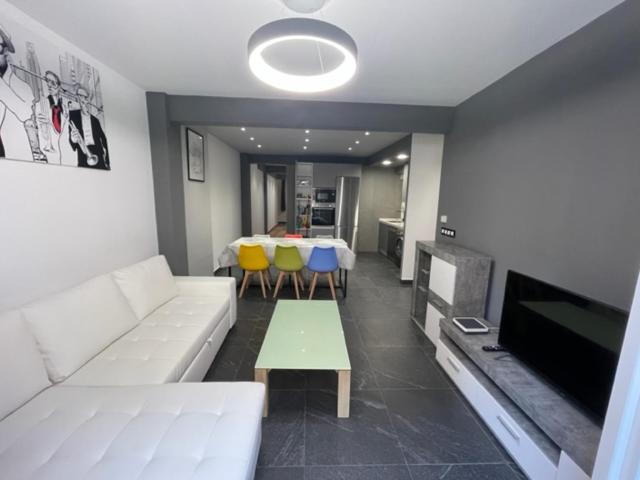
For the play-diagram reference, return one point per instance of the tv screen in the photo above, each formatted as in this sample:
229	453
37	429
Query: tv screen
571	340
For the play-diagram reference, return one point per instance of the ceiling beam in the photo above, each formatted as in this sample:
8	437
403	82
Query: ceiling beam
278	113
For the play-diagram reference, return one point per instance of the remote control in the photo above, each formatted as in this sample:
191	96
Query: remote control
493	348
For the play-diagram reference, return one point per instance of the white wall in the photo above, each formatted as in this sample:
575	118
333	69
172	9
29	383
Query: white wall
620	442
223	175
212	208
62	225
422	197
273	201
257	199
197	206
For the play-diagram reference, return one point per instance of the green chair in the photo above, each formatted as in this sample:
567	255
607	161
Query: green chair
287	259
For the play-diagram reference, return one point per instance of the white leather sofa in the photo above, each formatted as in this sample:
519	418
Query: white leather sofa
93	382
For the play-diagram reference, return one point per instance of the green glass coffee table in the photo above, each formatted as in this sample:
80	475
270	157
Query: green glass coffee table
306	335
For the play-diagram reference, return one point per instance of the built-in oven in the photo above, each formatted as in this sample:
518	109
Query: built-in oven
324	195
323	216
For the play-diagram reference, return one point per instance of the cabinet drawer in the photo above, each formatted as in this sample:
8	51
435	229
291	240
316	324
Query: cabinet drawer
442	280
432	324
524	451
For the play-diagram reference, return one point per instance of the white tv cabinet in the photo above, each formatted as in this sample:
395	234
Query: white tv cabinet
545	434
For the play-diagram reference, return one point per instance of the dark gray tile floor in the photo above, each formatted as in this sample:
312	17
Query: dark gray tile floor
408	421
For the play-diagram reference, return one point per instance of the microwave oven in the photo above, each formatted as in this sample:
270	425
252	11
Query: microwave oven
325	195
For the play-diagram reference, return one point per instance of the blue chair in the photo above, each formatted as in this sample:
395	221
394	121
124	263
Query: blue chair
323	260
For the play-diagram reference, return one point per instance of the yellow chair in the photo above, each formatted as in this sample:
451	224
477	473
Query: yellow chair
252	259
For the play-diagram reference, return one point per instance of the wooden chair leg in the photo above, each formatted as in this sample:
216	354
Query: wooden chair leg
278	284
264	292
312	288
333	289
300	280
295	284
245	281
268	279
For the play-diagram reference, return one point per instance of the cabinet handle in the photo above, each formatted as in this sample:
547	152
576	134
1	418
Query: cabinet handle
509	428
453	364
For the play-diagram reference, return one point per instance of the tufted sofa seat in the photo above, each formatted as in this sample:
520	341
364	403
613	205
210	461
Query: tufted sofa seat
163	346
175	431
95	382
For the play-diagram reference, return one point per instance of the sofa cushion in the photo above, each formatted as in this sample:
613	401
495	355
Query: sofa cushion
161	348
74	326
175	431
147	285
22	372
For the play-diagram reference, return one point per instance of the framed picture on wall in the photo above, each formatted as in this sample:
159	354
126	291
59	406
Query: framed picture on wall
195	156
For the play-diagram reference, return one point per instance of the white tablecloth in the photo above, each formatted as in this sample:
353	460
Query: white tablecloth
346	257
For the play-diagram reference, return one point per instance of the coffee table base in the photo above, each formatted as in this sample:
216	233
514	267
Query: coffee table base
344	390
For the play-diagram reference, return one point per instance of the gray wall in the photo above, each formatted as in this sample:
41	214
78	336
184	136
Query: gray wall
380	197
542	169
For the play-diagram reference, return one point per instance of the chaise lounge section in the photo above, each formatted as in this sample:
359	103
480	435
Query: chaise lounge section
89	382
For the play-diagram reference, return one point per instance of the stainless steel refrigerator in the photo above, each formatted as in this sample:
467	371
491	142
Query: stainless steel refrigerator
347	205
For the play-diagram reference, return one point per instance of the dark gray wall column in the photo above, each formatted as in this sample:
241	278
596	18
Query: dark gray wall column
245	197
541	169
167	184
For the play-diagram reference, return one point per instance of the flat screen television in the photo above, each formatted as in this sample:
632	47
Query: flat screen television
571	340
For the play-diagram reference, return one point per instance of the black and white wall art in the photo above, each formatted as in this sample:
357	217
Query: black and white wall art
51	108
195	156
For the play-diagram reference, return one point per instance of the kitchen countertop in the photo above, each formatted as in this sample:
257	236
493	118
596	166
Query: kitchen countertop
392	222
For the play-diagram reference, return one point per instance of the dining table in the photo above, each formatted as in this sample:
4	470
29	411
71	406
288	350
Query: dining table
346	256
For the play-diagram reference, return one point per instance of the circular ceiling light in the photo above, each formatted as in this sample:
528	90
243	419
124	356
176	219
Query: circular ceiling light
387	162
402	156
302	30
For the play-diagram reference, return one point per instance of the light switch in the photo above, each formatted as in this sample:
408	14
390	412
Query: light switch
443	219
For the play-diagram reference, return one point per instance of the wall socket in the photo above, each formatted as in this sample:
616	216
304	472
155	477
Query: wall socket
447	232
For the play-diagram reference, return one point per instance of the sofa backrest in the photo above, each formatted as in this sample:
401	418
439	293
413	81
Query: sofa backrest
22	371
147	285
73	326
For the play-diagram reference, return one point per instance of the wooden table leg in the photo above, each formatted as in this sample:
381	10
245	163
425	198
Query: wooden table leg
344	393
262	376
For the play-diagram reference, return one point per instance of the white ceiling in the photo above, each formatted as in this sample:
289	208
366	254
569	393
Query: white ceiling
290	141
425	52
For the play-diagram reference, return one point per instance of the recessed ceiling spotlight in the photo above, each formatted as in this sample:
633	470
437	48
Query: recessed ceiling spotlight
350	148
299	30
259	146
402	156
307	131
305	147
252	139
306	140
357	142
243	129
367	133
387	162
